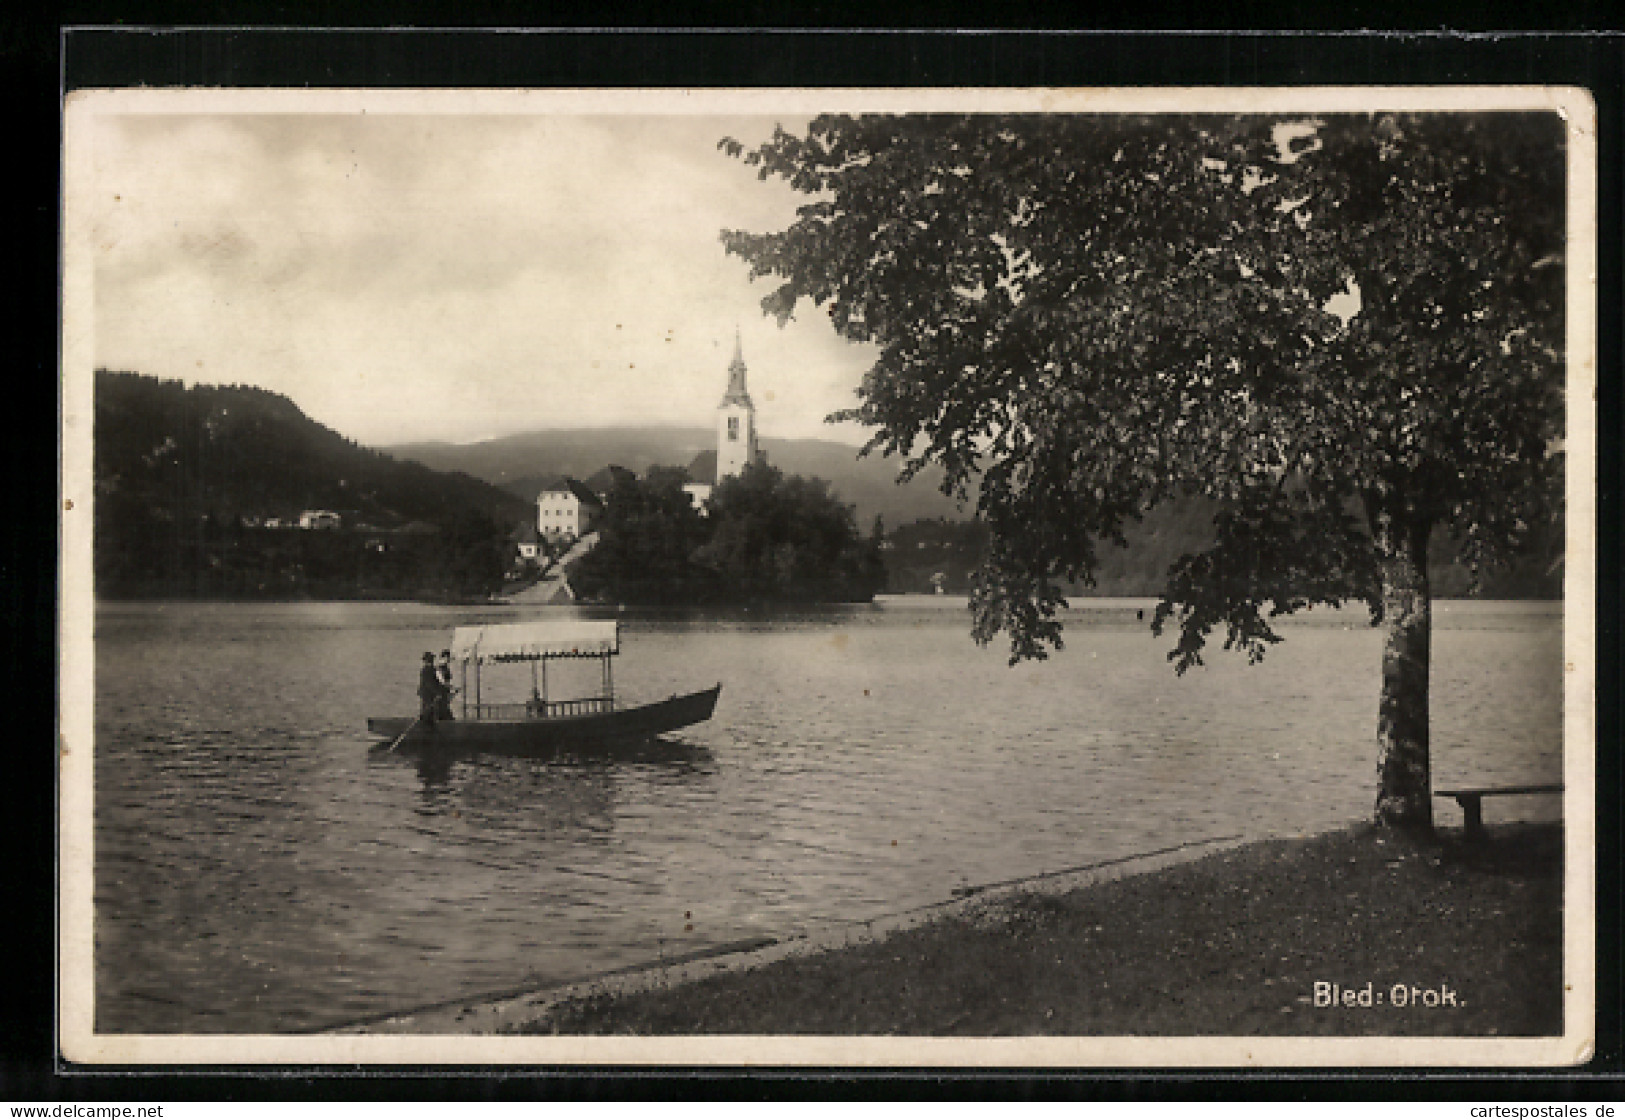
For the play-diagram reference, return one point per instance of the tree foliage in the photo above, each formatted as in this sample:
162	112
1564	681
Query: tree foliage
1341	330
648	533
788	538
766	538
1092	314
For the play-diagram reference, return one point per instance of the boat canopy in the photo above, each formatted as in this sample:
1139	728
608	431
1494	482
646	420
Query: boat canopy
535	641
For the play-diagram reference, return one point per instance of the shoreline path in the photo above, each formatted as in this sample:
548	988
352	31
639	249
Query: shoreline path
554	588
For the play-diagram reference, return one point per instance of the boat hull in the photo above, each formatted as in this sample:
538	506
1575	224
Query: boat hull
548	736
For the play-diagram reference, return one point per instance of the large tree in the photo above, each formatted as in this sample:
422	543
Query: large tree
1343	331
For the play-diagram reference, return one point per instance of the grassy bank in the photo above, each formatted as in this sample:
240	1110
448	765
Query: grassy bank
1231	944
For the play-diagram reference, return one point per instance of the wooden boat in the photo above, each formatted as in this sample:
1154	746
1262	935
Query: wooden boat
540	725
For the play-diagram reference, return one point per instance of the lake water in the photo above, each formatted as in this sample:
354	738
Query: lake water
258	869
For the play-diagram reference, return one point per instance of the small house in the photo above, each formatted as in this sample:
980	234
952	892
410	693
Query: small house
528	543
702	474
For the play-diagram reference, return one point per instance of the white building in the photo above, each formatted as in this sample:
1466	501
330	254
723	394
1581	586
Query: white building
736	421
529	544
736	438
319	519
699	494
566	510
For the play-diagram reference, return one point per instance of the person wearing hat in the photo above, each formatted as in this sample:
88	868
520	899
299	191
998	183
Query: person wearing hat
428	691
442	708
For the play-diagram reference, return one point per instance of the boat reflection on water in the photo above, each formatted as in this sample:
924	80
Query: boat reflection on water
460	780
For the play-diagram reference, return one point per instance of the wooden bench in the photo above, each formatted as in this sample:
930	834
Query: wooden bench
1472	807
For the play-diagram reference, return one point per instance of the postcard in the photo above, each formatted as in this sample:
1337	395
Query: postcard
828	577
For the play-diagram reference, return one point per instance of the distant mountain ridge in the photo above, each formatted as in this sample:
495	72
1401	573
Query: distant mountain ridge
520	463
184	474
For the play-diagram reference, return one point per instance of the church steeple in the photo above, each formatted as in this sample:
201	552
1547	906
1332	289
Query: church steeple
737	393
736	420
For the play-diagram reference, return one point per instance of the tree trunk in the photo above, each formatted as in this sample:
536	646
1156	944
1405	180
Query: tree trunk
1404	779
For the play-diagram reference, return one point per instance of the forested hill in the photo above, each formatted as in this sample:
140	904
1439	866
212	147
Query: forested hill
246	451
186	478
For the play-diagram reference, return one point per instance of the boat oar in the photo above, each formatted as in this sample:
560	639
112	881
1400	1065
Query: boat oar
403	734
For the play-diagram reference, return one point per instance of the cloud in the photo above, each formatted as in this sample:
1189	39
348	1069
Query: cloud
415	277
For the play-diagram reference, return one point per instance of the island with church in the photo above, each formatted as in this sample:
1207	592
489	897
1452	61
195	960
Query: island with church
730	527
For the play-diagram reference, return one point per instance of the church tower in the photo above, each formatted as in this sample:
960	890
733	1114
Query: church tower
736	421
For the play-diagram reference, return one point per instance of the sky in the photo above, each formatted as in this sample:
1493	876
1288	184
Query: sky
454	277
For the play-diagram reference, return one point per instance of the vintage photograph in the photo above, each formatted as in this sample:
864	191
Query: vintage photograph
828	577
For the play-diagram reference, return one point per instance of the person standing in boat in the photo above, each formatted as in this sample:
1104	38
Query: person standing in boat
428	691
443	701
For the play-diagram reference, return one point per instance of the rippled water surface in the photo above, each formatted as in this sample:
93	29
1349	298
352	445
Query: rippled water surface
258	869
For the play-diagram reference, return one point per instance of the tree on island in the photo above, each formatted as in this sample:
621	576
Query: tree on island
788	538
766	538
648	533
1343	330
